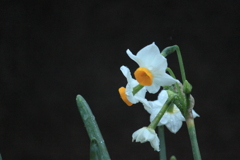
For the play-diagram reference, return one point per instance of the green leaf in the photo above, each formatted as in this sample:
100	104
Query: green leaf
98	146
94	150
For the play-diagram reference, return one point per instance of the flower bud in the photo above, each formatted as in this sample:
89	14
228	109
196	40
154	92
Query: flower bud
187	87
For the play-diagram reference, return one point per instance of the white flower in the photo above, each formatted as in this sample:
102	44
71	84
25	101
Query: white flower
172	120
147	134
126	93
152	68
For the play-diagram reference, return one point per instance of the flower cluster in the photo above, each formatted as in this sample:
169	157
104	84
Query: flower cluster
150	76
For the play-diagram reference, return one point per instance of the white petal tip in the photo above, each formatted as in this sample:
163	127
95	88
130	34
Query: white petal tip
128	51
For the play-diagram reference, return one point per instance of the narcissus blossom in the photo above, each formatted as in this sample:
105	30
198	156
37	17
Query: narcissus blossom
147	134
172	119
152	68
127	93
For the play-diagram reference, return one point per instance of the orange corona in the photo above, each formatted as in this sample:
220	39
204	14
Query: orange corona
124	96
143	76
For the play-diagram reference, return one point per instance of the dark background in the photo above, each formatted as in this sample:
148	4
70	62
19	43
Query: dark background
50	51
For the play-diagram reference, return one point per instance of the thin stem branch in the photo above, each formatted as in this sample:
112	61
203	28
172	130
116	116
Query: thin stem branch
163	153
171	72
177	87
182	70
137	88
170	50
193	138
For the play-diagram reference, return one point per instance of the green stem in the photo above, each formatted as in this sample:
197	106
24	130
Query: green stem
171	72
180	61
193	138
171	49
180	94
177	86
163	154
98	150
137	88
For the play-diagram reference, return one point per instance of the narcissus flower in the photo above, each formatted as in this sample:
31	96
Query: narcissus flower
127	93
147	134
152	68
172	118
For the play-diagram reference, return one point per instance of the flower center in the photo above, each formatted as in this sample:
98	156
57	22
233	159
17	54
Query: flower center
172	109
124	96
143	76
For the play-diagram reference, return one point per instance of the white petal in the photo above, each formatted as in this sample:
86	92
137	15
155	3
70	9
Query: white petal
154	88
132	99
138	96
195	114
174	120
146	134
160	65
149	54
141	94
179	116
163	96
149	57
130	85
136	135
155	143
156	63
129	89
174	124
133	57
126	72
151	106
164	80
164	120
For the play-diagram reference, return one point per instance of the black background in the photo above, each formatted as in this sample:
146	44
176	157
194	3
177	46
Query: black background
50	51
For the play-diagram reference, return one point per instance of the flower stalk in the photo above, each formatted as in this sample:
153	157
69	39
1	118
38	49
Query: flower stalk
171	49
182	70
163	153
193	138
187	106
137	88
